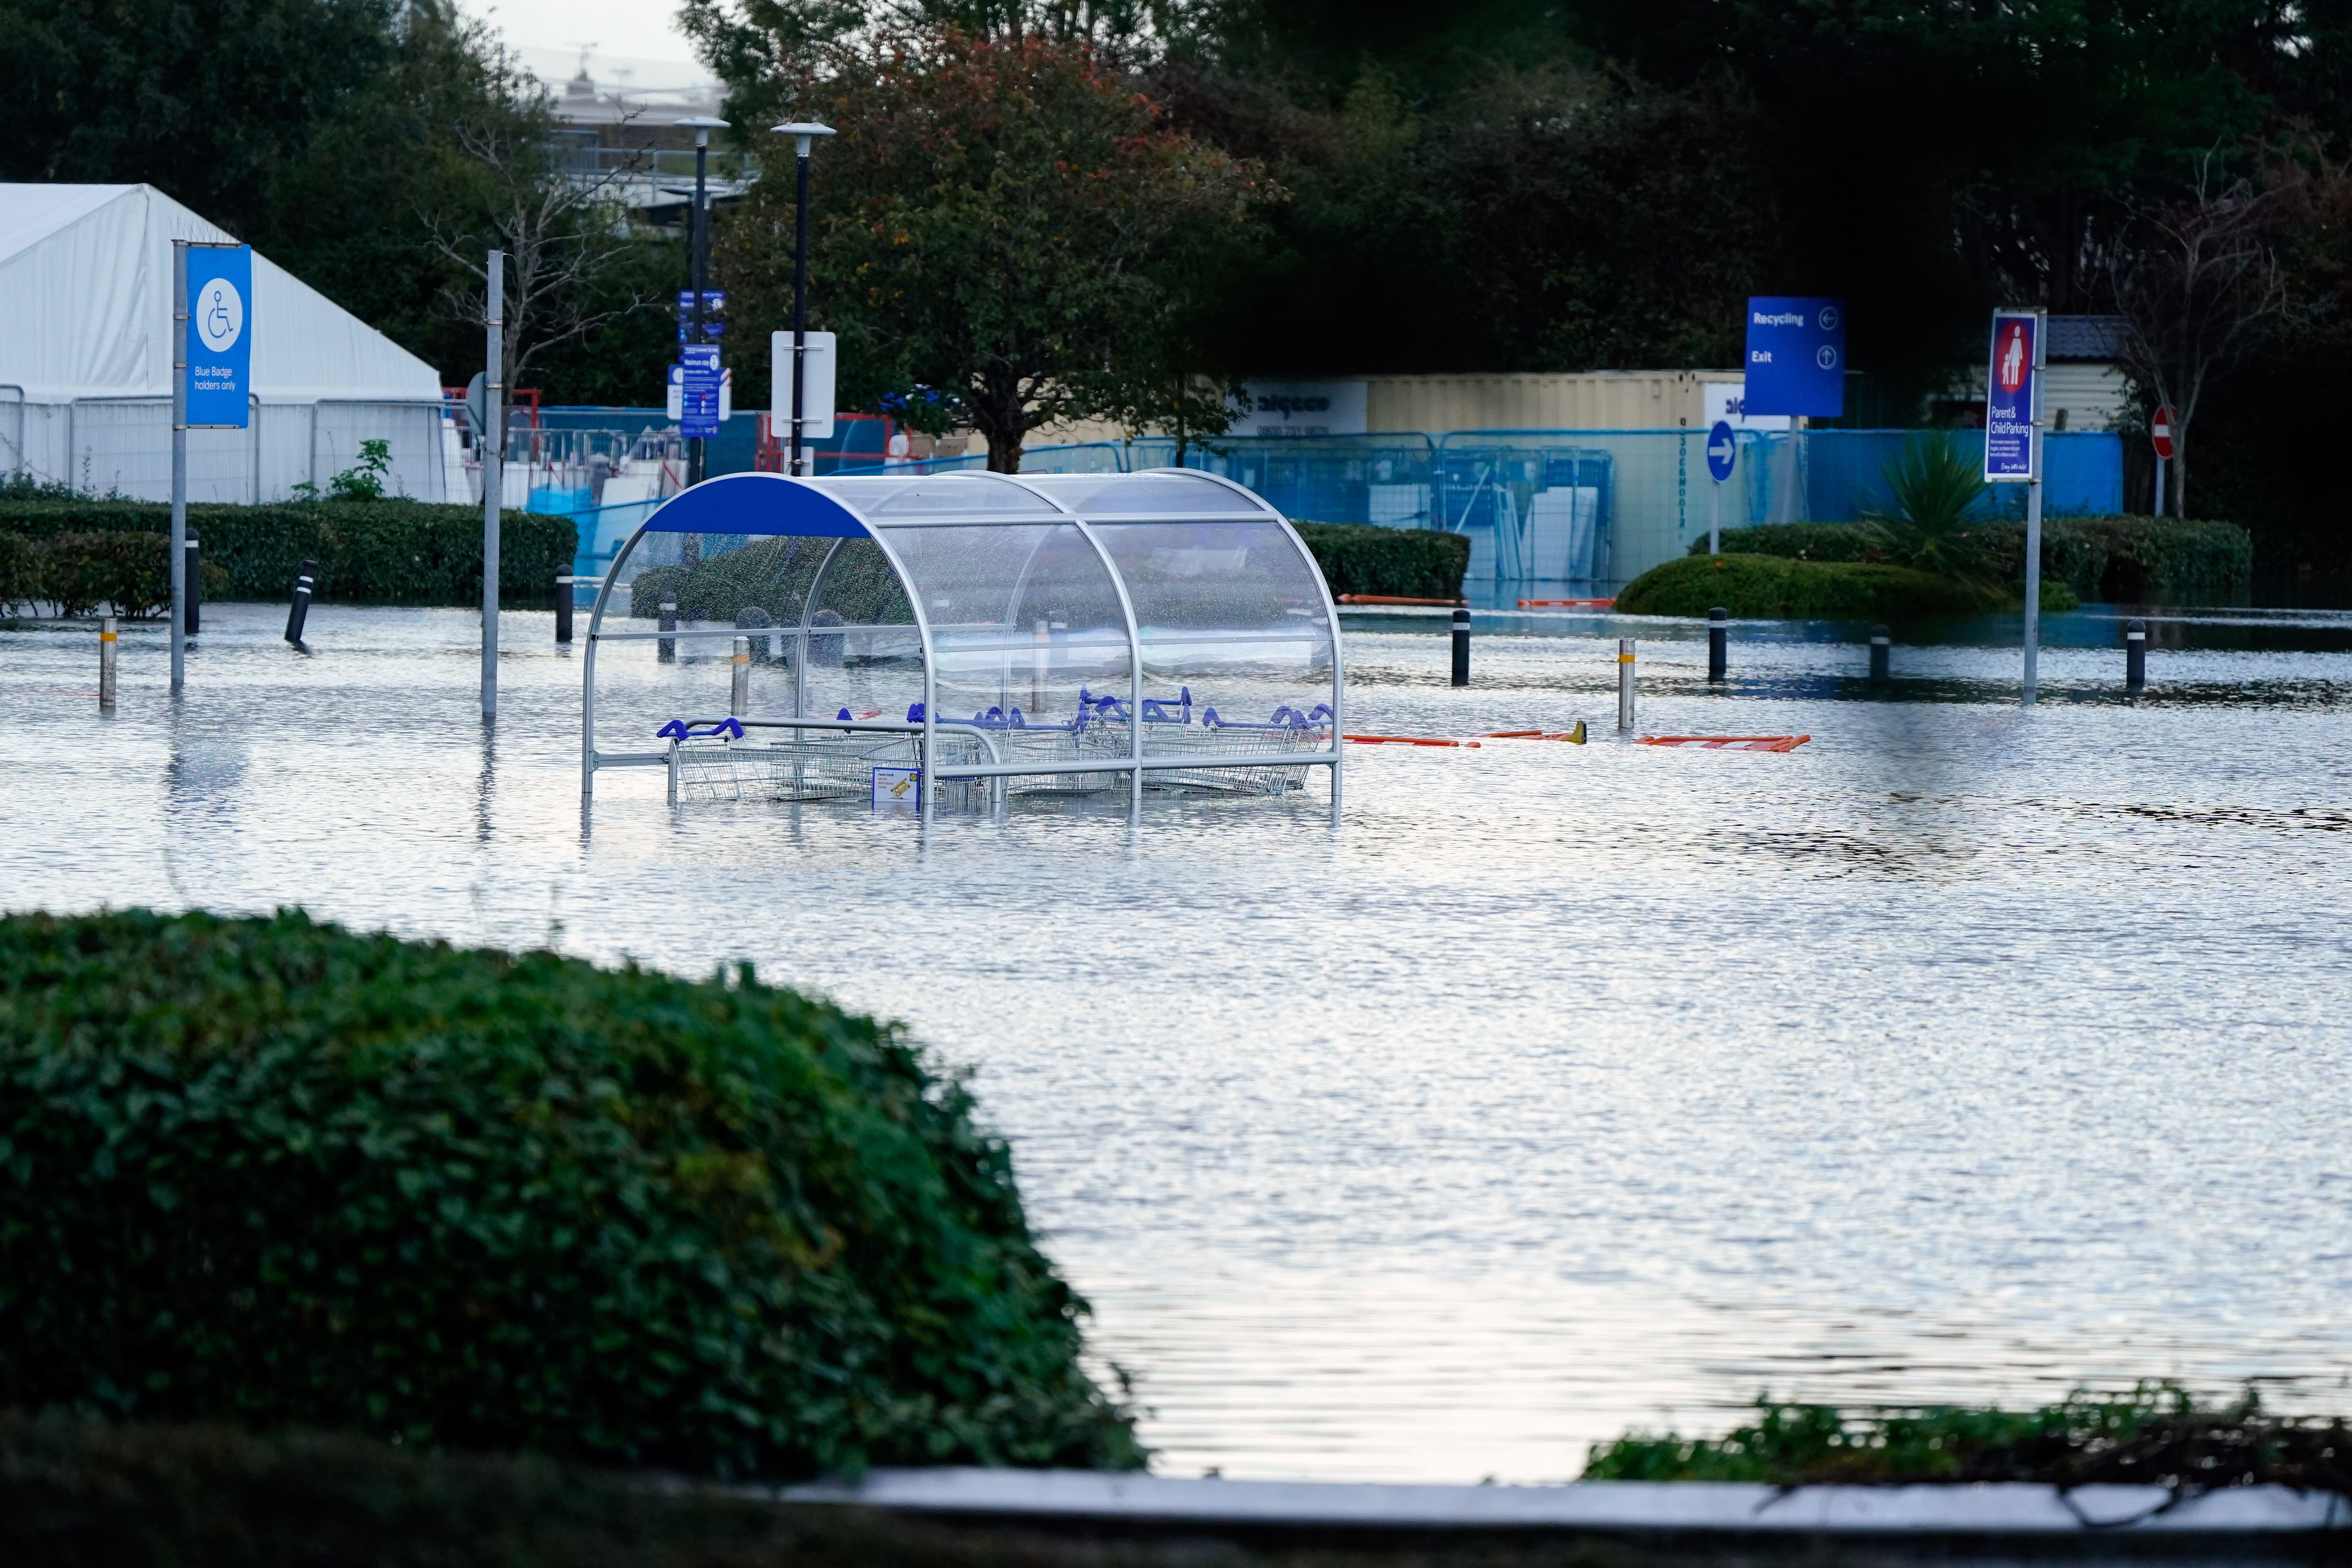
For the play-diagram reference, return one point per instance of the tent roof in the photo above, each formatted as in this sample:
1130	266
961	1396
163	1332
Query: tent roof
85	307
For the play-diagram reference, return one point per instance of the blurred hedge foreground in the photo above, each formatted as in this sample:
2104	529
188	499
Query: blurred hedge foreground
272	1173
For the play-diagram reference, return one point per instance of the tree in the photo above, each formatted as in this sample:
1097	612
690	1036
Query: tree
2197	281
1004	224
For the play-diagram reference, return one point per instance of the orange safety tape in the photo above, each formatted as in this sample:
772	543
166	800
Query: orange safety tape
1729	742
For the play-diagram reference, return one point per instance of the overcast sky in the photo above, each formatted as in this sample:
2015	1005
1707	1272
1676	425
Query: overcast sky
628	33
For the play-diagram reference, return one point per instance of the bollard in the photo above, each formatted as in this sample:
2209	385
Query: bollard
106	663
563	606
738	700
1880	652
1461	647
1625	683
299	611
666	648
753	617
192	590
2136	657
1718	643
1041	659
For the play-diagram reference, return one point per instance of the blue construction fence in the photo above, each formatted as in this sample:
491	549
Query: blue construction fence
1597	507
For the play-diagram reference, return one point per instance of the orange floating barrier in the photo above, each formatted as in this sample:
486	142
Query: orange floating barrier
1406	741
1574	737
1729	742
1566	603
1392	599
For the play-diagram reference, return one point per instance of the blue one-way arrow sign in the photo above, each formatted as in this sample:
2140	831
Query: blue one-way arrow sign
1721	450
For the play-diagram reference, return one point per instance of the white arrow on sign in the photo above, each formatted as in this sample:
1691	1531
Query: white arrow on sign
1718	451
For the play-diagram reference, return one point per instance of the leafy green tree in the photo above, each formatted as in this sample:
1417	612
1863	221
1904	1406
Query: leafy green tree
1005	225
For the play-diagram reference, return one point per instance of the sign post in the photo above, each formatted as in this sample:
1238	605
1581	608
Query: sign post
2013	451
1721	450
494	451
2159	431
212	383
1795	365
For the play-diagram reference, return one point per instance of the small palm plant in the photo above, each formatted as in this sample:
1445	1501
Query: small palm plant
1934	484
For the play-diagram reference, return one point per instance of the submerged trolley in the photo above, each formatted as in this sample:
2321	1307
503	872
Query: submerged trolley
966	638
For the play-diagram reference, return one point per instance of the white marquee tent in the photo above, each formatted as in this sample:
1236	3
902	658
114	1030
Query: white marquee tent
86	363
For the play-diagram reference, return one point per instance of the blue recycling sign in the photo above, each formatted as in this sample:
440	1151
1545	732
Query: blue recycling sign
697	406
219	352
2012	397
1722	450
1796	355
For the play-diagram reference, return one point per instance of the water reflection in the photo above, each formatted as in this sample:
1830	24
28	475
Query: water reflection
1962	1053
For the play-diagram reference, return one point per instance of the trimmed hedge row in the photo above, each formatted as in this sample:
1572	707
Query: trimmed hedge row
273	1173
1409	563
77	572
1764	586
385	553
2114	560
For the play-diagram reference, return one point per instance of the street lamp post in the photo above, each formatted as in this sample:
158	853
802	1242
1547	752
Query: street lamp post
698	250
803	135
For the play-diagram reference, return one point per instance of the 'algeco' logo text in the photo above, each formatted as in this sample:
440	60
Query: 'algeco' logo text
1280	403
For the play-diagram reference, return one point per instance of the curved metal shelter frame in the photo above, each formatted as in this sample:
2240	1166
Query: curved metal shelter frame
1167	574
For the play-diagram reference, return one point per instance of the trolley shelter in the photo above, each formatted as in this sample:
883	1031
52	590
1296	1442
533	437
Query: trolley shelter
965	639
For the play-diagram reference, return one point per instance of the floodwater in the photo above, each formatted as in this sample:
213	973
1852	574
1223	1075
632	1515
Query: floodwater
1963	1053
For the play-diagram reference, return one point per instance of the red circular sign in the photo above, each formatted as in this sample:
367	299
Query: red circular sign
2159	430
2014	359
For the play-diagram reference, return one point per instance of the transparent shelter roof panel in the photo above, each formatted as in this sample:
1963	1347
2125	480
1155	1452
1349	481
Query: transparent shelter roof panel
1213	596
883	500
1132	495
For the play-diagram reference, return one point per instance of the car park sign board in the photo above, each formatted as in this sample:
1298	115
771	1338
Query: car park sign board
2012	397
1796	355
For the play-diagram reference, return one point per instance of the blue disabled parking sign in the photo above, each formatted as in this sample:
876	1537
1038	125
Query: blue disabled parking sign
220	336
1796	355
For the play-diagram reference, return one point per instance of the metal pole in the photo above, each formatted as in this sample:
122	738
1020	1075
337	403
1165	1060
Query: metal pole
700	223
666	649
2160	486
107	664
1718	643
1462	647
739	698
179	463
2136	657
800	297
298	614
2032	572
494	444
1715	518
1625	683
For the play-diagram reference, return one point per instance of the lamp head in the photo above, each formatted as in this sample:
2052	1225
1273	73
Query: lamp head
702	125
802	133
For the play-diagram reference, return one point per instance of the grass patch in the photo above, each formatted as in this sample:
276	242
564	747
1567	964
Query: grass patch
2156	1436
1763	586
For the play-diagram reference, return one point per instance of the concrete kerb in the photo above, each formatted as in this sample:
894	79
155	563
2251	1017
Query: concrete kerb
2111	1523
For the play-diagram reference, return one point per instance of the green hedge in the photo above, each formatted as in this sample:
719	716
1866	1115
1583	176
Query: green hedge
2114	560
270	1171
1762	586
74	574
1409	563
386	552
2156	1435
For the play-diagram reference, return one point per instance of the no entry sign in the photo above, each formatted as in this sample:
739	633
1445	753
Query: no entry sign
2159	431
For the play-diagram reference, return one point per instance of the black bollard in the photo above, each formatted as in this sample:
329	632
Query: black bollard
2136	657
1461	647
563	606
195	585
1881	650
1718	643
666	648
299	611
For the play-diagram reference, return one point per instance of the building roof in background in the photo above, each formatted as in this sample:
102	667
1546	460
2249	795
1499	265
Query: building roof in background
2085	337
86	310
